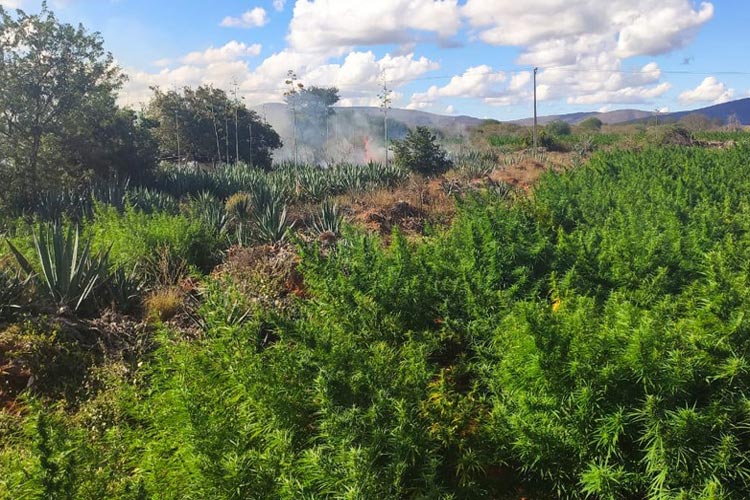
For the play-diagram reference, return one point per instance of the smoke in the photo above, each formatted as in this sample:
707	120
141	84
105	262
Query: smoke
350	134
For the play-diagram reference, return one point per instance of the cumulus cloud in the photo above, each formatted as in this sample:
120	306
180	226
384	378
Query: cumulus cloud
253	18
279	5
495	88
333	26
555	31
229	52
581	46
709	90
357	76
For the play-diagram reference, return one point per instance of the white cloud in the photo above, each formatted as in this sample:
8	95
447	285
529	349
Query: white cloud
478	82
358	75
229	52
333	26
450	110
555	31
279	5
253	18
709	90
580	46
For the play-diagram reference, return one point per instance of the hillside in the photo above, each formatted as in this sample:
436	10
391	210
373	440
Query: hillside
358	120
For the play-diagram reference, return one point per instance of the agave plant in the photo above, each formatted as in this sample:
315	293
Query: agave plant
329	220
210	211
271	224
69	271
151	200
125	287
12	286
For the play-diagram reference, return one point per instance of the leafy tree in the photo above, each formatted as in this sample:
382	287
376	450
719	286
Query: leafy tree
59	122
558	128
313	107
420	152
206	126
592	124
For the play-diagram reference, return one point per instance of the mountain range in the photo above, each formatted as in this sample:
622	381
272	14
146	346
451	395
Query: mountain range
359	119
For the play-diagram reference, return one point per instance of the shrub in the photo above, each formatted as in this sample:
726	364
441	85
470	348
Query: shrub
558	128
591	124
136	236
420	152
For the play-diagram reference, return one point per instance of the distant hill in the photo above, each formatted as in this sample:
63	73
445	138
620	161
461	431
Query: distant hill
609	117
278	116
361	119
739	109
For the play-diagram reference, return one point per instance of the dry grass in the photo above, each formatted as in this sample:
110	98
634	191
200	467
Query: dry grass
164	304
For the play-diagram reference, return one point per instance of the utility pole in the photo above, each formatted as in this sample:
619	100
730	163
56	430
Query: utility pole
536	134
385	104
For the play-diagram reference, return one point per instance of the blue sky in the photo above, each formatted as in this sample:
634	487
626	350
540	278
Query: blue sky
451	57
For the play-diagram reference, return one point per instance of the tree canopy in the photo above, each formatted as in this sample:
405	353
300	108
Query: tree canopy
311	108
59	121
205	125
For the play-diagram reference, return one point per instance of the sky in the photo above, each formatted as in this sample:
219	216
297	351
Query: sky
453	57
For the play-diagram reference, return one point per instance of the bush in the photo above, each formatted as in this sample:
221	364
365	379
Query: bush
420	152
592	124
136	236
558	128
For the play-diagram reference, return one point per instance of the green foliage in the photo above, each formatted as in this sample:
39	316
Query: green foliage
135	237
70	272
210	127
12	290
270	222
589	341
558	128
62	126
591	124
420	152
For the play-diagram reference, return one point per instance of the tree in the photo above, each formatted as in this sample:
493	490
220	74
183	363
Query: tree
696	122
312	108
420	152
558	128
591	124
209	127
58	88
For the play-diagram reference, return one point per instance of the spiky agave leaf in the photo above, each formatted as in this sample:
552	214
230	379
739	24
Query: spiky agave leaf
69	272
